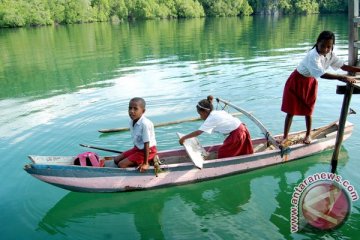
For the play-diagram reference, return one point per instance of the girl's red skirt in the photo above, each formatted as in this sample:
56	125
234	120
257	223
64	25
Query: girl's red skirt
237	143
299	95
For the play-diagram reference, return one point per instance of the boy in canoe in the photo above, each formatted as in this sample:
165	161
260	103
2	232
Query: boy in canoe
238	142
143	135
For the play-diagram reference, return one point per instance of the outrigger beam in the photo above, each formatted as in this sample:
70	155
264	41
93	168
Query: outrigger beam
255	120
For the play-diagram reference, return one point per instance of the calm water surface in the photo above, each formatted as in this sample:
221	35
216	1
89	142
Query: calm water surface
59	85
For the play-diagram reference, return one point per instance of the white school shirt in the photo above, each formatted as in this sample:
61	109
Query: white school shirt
142	132
220	121
315	65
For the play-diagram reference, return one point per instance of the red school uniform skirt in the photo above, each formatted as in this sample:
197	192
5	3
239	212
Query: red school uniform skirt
137	156
299	95
237	143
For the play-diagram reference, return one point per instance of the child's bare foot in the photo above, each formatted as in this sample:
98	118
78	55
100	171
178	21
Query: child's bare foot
307	140
280	140
285	142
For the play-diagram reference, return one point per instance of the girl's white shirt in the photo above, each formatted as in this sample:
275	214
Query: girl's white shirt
315	65
220	121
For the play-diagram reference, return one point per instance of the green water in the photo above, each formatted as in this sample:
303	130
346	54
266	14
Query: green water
59	85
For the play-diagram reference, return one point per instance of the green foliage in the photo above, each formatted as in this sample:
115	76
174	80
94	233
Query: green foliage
288	6
167	9
57	10
46	12
285	6
38	13
78	11
331	6
21	13
12	14
306	6
118	8
145	9
101	9
189	9
224	8
247	9
267	7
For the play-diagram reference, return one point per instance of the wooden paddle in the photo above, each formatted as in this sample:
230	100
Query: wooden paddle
255	120
100	148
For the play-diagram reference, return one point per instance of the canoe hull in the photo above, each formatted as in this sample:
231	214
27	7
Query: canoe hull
109	179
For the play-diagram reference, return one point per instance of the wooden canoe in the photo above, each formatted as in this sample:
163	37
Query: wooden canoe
177	167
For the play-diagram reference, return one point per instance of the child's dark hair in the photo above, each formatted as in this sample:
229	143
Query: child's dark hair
325	35
140	100
205	104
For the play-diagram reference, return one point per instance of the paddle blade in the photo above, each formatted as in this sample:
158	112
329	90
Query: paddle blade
194	150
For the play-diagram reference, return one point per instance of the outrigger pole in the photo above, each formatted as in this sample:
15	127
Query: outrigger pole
255	120
111	130
101	148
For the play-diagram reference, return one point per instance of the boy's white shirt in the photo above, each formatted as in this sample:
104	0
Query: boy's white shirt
315	65
142	132
220	121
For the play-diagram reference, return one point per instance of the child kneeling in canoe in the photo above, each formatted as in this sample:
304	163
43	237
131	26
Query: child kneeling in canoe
143	135
237	143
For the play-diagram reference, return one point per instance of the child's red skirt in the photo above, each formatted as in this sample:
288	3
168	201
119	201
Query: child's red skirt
137	156
237	143
299	95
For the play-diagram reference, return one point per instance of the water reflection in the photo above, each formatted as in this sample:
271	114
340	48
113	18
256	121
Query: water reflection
146	212
224	208
66	57
76	208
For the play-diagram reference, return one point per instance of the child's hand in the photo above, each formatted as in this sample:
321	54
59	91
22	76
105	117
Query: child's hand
206	155
181	141
349	79
143	167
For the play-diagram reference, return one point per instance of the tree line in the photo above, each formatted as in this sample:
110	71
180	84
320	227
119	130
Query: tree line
19	13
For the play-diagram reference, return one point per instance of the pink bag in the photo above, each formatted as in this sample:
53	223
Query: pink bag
88	159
